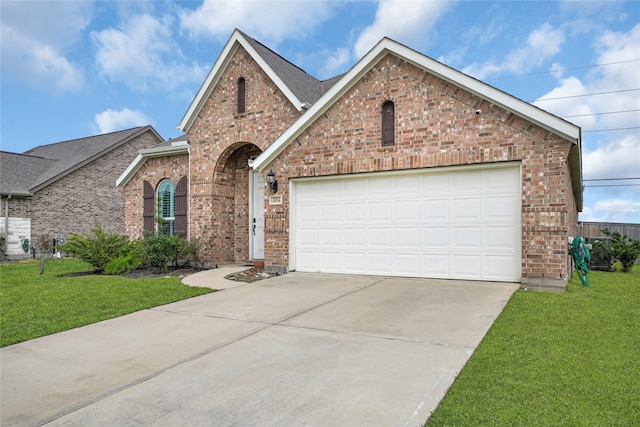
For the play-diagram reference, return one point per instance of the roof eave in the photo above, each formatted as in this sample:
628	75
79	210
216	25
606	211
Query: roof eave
236	39
181	147
534	114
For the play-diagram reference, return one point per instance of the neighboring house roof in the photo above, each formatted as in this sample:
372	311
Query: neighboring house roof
179	145
24	174
302	89
20	171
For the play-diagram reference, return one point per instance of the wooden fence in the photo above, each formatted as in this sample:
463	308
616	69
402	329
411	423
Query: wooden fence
591	230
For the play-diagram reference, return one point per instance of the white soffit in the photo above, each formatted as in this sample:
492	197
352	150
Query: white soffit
523	109
236	39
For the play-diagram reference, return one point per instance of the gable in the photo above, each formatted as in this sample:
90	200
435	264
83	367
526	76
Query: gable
385	47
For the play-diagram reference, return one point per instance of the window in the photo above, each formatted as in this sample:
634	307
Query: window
388	124
166	202
241	95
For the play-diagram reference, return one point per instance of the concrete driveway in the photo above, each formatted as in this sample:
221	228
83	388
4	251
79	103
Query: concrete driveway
299	349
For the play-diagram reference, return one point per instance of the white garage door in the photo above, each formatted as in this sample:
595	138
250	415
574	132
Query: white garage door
456	223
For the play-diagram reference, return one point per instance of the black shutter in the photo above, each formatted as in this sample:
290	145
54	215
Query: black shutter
241	96
148	207
388	124
180	207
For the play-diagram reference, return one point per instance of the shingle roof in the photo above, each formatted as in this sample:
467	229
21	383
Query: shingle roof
306	87
25	173
18	172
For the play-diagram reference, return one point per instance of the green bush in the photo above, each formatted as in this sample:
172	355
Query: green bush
126	263
160	250
99	247
2	243
623	248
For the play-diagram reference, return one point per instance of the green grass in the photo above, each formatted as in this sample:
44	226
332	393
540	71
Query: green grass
33	305
555	359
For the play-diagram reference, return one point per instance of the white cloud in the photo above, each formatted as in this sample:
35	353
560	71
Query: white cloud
606	154
269	22
110	120
143	55
542	43
334	62
401	20
35	38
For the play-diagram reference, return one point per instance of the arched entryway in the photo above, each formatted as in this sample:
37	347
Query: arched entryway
238	205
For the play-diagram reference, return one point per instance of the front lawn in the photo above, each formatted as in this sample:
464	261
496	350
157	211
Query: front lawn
555	359
33	305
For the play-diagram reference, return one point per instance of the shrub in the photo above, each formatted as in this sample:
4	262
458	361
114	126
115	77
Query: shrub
195	249
160	250
3	240
126	263
99	247
623	248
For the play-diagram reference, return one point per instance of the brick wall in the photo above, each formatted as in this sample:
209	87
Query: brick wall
87	197
153	170
221	143
436	125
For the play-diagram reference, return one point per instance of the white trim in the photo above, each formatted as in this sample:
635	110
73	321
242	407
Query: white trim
529	112
236	39
178	147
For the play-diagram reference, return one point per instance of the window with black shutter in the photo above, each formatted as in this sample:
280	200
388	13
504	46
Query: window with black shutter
180	226
388	124
166	208
241	96
148	207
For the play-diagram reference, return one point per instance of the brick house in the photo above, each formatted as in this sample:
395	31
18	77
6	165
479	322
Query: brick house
402	166
67	187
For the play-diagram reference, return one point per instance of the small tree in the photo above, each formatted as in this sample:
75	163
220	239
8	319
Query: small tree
623	248
44	249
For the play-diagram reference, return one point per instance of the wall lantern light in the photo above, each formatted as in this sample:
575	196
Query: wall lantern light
272	181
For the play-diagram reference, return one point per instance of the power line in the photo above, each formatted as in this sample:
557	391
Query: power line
565	69
610	179
609	130
586	94
601	114
613	185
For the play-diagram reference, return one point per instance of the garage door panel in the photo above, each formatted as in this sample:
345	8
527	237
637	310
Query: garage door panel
435	237
380	237
330	261
501	266
407	264
330	237
407	237
307	214
467	208
355	212
497	207
379	211
499	237
465	265
355	262
380	262
467	237
434	210
307	237
462	224
355	237
435	265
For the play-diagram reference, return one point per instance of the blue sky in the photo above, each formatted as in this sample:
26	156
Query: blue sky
71	69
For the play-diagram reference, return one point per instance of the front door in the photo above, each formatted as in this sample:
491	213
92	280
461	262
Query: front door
256	216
